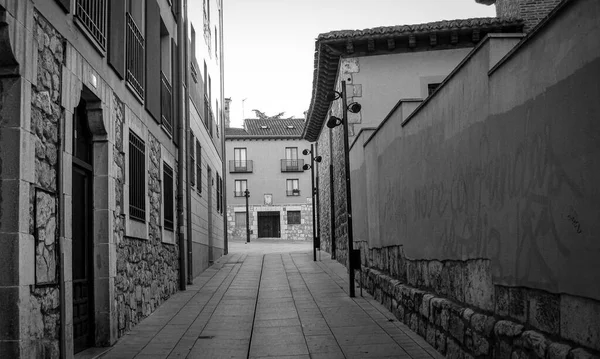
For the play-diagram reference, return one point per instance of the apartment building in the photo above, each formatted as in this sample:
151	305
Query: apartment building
265	158
106	119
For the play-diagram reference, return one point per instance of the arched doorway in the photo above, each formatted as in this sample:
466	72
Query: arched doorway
82	224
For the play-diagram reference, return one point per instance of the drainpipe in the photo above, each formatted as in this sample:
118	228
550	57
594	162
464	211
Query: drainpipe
188	147
223	151
331	196
181	27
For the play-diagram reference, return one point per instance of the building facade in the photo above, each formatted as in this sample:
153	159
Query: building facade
94	187
265	157
474	208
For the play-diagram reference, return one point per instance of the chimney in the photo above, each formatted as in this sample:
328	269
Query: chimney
530	11
226	112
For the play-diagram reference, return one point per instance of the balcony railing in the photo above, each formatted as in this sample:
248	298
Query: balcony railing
292	165
294	192
238	194
92	16
211	122
166	103
240	166
206	110
135	57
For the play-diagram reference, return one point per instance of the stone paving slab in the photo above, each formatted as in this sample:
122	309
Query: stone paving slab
271	300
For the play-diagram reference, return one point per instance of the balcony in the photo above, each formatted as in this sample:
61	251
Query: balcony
294	192
238	194
292	165
91	15
166	104
206	111
240	166
135	57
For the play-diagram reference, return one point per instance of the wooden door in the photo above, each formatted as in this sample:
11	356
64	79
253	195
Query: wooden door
268	225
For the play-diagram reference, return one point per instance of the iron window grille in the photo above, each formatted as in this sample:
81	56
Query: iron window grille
293	193
292	165
166	103
135	57
91	14
293	217
137	178
168	197
218	193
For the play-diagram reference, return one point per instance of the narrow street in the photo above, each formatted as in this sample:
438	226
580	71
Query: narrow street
270	299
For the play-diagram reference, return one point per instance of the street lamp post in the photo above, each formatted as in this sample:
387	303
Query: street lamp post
331	123
313	159
247	195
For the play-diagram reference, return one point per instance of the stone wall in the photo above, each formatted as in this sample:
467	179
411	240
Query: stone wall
46	117
147	269
301	231
522	322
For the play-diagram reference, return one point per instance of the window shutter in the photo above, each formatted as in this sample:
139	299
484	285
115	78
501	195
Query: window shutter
153	59
65	4
199	165
192	161
176	89
116	36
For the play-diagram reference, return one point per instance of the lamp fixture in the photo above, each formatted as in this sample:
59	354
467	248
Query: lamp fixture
306	167
334	121
305	152
354	107
318	159
333	95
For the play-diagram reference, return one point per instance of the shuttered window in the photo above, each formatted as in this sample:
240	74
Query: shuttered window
168	197
199	165
116	36
153	77
137	178
192	161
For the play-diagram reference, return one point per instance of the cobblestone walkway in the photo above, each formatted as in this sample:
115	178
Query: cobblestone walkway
259	303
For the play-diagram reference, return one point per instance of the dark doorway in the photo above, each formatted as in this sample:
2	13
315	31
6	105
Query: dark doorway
83	289
268	225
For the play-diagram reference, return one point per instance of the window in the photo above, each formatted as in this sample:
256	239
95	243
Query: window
431	88
192	161
91	15
293	217
168	197
199	165
292	187
137	178
240	188
216	44
219	194
291	153
240	219
239	159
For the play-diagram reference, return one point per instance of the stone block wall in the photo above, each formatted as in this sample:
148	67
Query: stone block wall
43	327
301	231
147	269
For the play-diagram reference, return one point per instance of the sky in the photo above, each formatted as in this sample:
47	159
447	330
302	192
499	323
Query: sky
269	44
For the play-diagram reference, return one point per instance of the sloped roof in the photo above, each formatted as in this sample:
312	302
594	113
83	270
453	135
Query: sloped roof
268	128
330	46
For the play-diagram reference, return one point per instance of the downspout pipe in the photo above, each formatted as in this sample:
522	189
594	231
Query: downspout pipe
189	147
181	27
224	149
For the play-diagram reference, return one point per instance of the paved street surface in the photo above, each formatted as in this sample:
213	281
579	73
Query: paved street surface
269	299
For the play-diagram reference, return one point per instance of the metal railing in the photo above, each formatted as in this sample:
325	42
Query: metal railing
294	192
169	219
292	165
211	122
206	110
92	15
135	56
236	166
238	194
166	103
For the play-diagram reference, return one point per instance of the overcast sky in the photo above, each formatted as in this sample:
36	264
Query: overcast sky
269	44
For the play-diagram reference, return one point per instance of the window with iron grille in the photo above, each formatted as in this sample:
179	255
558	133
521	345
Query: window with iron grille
168	197
431	88
192	161
137	178
293	217
199	165
218	193
91	15
135	56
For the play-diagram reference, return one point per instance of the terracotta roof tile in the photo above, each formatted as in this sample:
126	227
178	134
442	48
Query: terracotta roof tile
265	128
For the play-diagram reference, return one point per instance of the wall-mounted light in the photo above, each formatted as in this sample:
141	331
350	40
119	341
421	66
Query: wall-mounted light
354	107
334	122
